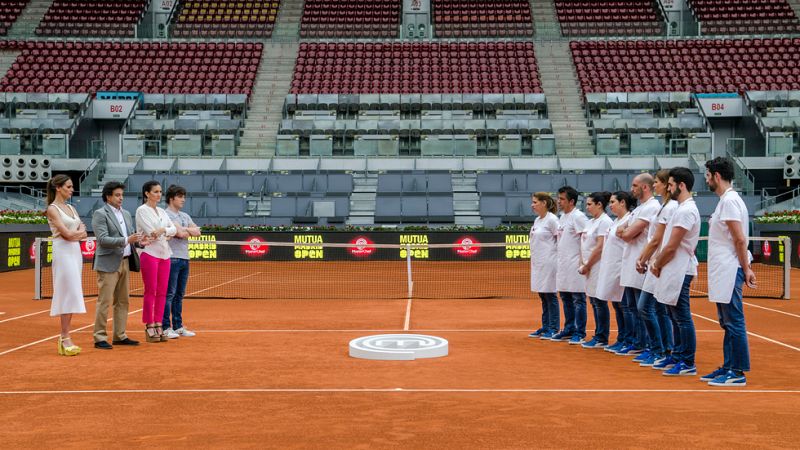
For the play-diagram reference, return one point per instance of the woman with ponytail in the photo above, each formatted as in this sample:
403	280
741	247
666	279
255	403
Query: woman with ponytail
543	243
67	230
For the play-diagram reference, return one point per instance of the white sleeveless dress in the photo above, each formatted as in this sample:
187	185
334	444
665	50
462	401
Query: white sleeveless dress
67	269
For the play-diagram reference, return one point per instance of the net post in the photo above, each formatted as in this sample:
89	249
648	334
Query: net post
787	268
37	264
408	270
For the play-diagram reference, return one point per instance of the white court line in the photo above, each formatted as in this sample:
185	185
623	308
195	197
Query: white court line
222	284
35	313
278	330
407	322
57	335
773	310
754	334
406	390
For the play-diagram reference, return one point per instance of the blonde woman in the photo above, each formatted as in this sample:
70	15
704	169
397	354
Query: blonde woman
67	230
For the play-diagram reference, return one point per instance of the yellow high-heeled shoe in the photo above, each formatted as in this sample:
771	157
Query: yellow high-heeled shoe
70	350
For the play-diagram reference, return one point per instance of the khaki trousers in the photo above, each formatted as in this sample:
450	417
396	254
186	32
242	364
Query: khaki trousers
112	291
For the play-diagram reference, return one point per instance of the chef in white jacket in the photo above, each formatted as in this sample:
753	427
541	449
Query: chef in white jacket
571	285
543	242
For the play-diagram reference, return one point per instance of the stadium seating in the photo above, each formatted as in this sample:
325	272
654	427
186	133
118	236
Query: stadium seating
356	18
609	17
475	67
9	11
225	18
159	68
101	18
745	16
702	65
482	18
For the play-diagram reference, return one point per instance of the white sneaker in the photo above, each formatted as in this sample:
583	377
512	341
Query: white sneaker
182	331
171	334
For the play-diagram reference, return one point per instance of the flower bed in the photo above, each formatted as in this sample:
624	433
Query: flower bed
8	216
780	217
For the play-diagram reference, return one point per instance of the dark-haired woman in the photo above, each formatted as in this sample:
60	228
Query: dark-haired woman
592	241
67	230
153	222
608	285
543	271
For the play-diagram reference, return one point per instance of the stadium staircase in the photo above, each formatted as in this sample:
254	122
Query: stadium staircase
287	25
466	201
116	172
26	23
265	111
544	19
7	59
362	200
564	99
795	4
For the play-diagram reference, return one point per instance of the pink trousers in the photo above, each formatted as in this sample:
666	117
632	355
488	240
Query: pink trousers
155	276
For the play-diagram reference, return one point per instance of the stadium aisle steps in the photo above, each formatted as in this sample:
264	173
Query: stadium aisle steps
266	105
544	19
287	26
564	106
7	59
795	4
466	200
27	22
362	200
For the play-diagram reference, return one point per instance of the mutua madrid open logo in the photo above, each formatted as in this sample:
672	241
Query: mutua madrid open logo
468	247
255	247
88	248
361	247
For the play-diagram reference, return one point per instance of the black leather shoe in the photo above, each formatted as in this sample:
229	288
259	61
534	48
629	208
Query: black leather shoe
126	341
103	345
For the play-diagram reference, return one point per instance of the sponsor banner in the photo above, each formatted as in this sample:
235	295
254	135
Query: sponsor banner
16	250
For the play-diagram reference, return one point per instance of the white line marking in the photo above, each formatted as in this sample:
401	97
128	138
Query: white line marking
773	310
407	322
277	330
405	390
222	284
754	334
57	335
35	313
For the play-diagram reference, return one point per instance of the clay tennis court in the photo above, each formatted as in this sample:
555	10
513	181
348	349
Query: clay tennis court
276	373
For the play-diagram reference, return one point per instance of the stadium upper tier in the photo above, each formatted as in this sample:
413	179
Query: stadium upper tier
358	18
482	18
225	18
158	68
609	17
115	18
404	68
700	66
9	11
745	16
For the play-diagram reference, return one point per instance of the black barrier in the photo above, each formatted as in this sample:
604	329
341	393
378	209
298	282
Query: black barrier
779	251
16	250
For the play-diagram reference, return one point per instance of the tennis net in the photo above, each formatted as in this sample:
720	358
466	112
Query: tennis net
306	268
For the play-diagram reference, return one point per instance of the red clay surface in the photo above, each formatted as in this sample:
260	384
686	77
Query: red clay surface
276	373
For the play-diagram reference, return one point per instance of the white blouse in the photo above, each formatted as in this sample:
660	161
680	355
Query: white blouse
149	220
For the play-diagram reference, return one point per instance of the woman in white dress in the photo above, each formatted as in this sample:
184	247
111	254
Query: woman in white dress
543	243
68	230
153	222
608	283
592	241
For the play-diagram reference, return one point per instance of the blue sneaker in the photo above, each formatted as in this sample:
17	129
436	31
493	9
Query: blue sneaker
664	363
680	369
644	356
651	360
594	343
561	336
537	333
576	340
714	374
729	378
547	335
614	348
629	350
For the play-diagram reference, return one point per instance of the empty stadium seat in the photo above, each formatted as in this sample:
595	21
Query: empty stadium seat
745	17
225	18
9	11
609	17
102	18
482	18
406	68
356	18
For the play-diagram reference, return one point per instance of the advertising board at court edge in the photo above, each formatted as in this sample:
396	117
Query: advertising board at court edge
308	246
517	246
418	246
200	247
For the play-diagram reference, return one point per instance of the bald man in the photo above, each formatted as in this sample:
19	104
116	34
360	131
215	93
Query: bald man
635	237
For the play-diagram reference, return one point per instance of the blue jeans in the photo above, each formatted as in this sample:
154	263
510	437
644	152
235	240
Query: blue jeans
681	313
602	319
638	334
551	317
622	330
649	315
574	313
178	275
731	318
667	327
